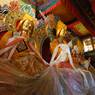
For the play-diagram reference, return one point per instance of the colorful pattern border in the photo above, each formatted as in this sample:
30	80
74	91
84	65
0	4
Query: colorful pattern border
47	7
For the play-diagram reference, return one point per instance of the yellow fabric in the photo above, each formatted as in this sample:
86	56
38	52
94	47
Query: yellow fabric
61	28
53	44
28	17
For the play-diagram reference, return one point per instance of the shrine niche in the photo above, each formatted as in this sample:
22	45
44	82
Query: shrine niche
89	44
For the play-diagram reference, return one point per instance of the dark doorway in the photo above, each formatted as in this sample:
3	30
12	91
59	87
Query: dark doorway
46	54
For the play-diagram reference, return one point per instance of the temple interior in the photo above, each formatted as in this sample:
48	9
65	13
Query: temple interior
47	47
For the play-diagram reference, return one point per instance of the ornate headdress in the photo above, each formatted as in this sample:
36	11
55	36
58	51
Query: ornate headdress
26	18
61	29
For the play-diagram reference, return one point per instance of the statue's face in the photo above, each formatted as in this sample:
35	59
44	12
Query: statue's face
27	25
27	28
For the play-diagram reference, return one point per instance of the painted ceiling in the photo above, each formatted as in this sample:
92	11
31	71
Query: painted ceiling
69	10
58	7
79	28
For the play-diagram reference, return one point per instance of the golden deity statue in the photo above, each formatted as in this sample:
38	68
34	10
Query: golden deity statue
61	30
